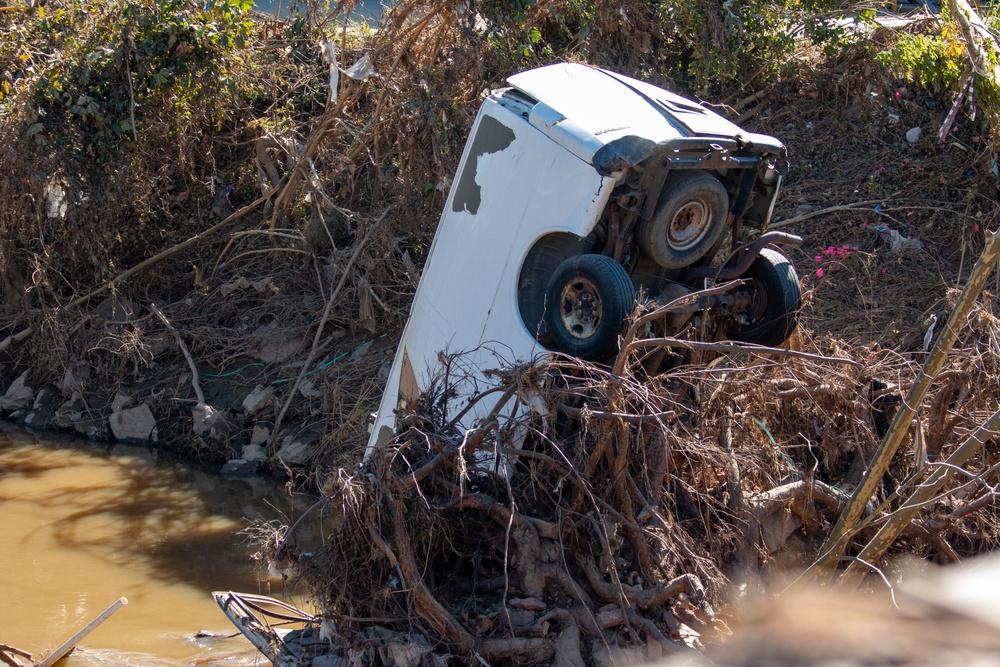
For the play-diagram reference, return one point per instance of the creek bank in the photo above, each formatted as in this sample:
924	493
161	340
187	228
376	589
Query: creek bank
233	424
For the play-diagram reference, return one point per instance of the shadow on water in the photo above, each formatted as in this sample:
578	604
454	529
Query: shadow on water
182	522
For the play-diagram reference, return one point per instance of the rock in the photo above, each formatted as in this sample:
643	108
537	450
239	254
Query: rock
43	409
239	468
257	399
254	453
914	134
39	419
294	452
19	395
610	618
70	411
45	398
134	424
89	429
120	402
261	434
74	377
204	417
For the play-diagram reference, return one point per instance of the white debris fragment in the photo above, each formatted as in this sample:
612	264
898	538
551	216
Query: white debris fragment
361	70
929	335
203	418
330	56
897	241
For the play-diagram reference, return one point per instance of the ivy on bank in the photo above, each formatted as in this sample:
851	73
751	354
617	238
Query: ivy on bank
97	65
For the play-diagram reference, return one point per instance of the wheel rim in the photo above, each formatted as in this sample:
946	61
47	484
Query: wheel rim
580	308
690	223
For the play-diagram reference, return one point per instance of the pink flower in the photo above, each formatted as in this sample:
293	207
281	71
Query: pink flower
819	272
818	258
975	227
884	270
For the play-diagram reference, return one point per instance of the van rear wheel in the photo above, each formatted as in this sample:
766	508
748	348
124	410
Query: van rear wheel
588	301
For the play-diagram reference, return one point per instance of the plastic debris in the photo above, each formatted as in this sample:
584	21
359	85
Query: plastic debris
330	56
929	335
361	70
56	198
220	202
897	241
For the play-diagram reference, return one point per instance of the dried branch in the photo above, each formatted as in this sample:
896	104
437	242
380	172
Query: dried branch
834	545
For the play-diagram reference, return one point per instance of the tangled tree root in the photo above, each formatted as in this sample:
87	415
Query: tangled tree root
588	525
599	513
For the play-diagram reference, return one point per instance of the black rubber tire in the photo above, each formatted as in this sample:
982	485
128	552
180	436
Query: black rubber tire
540	262
777	301
588	301
690	217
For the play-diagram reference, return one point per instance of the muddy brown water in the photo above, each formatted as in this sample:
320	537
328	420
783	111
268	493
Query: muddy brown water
82	525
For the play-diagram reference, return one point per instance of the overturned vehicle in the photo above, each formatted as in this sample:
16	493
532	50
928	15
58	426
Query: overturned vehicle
580	189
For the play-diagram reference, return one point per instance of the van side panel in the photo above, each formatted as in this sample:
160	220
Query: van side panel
513	185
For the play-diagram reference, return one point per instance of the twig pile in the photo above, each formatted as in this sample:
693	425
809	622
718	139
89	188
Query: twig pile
614	509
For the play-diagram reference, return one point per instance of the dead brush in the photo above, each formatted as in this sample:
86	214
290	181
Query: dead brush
618	507
610	514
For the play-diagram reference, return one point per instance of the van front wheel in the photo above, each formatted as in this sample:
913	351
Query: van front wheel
588	300
776	299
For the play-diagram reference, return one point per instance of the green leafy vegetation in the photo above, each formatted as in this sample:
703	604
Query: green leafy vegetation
101	66
935	60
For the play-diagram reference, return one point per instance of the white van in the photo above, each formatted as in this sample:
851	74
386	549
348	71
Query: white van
578	188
